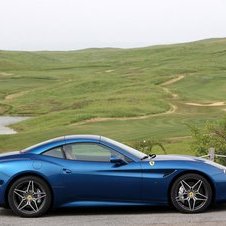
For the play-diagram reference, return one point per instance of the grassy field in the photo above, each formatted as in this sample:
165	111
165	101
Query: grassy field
126	94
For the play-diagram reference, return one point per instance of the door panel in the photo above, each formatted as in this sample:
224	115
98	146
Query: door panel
103	181
94	177
88	173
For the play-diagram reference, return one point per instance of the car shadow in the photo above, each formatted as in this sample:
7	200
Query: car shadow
119	210
122	210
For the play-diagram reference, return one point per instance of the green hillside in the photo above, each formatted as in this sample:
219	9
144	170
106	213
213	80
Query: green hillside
126	94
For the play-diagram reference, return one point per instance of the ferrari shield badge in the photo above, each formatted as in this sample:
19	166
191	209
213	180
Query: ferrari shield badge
152	163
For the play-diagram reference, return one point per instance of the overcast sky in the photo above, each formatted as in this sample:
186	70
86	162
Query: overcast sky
78	24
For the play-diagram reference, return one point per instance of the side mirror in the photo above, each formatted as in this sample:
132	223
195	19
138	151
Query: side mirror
118	161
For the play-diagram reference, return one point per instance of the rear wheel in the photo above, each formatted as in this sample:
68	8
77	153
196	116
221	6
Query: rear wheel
29	197
191	193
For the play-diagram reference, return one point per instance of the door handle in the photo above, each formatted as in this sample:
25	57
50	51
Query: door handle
66	171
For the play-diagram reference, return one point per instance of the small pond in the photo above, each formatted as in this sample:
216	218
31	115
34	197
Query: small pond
5	121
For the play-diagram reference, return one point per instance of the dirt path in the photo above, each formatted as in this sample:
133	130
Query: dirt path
179	138
169	82
93	120
173	80
15	95
215	104
21	93
172	109
174	95
5	74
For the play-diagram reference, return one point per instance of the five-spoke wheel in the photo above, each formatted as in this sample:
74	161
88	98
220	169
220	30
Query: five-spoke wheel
29	197
191	193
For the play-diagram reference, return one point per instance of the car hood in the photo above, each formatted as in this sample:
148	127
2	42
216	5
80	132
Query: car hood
179	157
187	158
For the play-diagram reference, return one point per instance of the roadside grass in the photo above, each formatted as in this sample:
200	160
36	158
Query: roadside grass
62	89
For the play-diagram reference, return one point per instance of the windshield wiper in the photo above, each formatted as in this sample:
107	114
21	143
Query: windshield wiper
145	157
149	156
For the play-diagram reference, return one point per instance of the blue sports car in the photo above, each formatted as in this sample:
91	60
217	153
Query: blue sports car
89	170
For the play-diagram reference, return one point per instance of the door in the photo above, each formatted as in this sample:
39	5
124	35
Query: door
91	176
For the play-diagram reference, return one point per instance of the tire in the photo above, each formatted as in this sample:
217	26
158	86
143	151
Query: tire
29	196
191	193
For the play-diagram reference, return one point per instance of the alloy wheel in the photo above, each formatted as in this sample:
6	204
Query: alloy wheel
191	193
29	197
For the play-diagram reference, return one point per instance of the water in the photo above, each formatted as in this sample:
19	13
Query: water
9	120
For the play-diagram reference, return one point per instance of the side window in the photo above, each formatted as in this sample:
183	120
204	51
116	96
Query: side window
55	152
90	152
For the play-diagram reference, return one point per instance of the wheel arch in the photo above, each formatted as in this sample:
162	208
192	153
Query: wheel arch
208	178
25	174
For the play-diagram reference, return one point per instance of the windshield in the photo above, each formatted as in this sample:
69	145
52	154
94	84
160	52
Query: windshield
129	149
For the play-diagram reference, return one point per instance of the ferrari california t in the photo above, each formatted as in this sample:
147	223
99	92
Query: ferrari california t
89	170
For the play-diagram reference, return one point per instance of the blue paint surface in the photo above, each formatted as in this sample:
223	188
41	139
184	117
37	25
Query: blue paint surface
93	183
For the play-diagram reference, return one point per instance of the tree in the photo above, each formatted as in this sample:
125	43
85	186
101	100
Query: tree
213	134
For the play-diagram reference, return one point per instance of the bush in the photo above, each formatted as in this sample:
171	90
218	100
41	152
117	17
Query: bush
146	146
213	134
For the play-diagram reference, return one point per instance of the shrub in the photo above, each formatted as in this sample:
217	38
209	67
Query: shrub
213	134
146	146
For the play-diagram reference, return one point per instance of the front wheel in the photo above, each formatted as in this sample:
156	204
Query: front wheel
29	196
191	193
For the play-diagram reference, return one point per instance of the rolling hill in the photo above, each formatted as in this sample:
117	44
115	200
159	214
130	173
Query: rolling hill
126	94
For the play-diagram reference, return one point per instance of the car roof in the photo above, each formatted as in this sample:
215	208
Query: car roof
63	140
39	147
83	136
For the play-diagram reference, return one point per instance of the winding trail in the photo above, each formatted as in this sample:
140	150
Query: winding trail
15	95
173	80
169	82
215	104
164	87
172	109
5	74
21	93
174	95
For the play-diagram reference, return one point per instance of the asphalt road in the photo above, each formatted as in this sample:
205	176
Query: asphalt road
118	216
